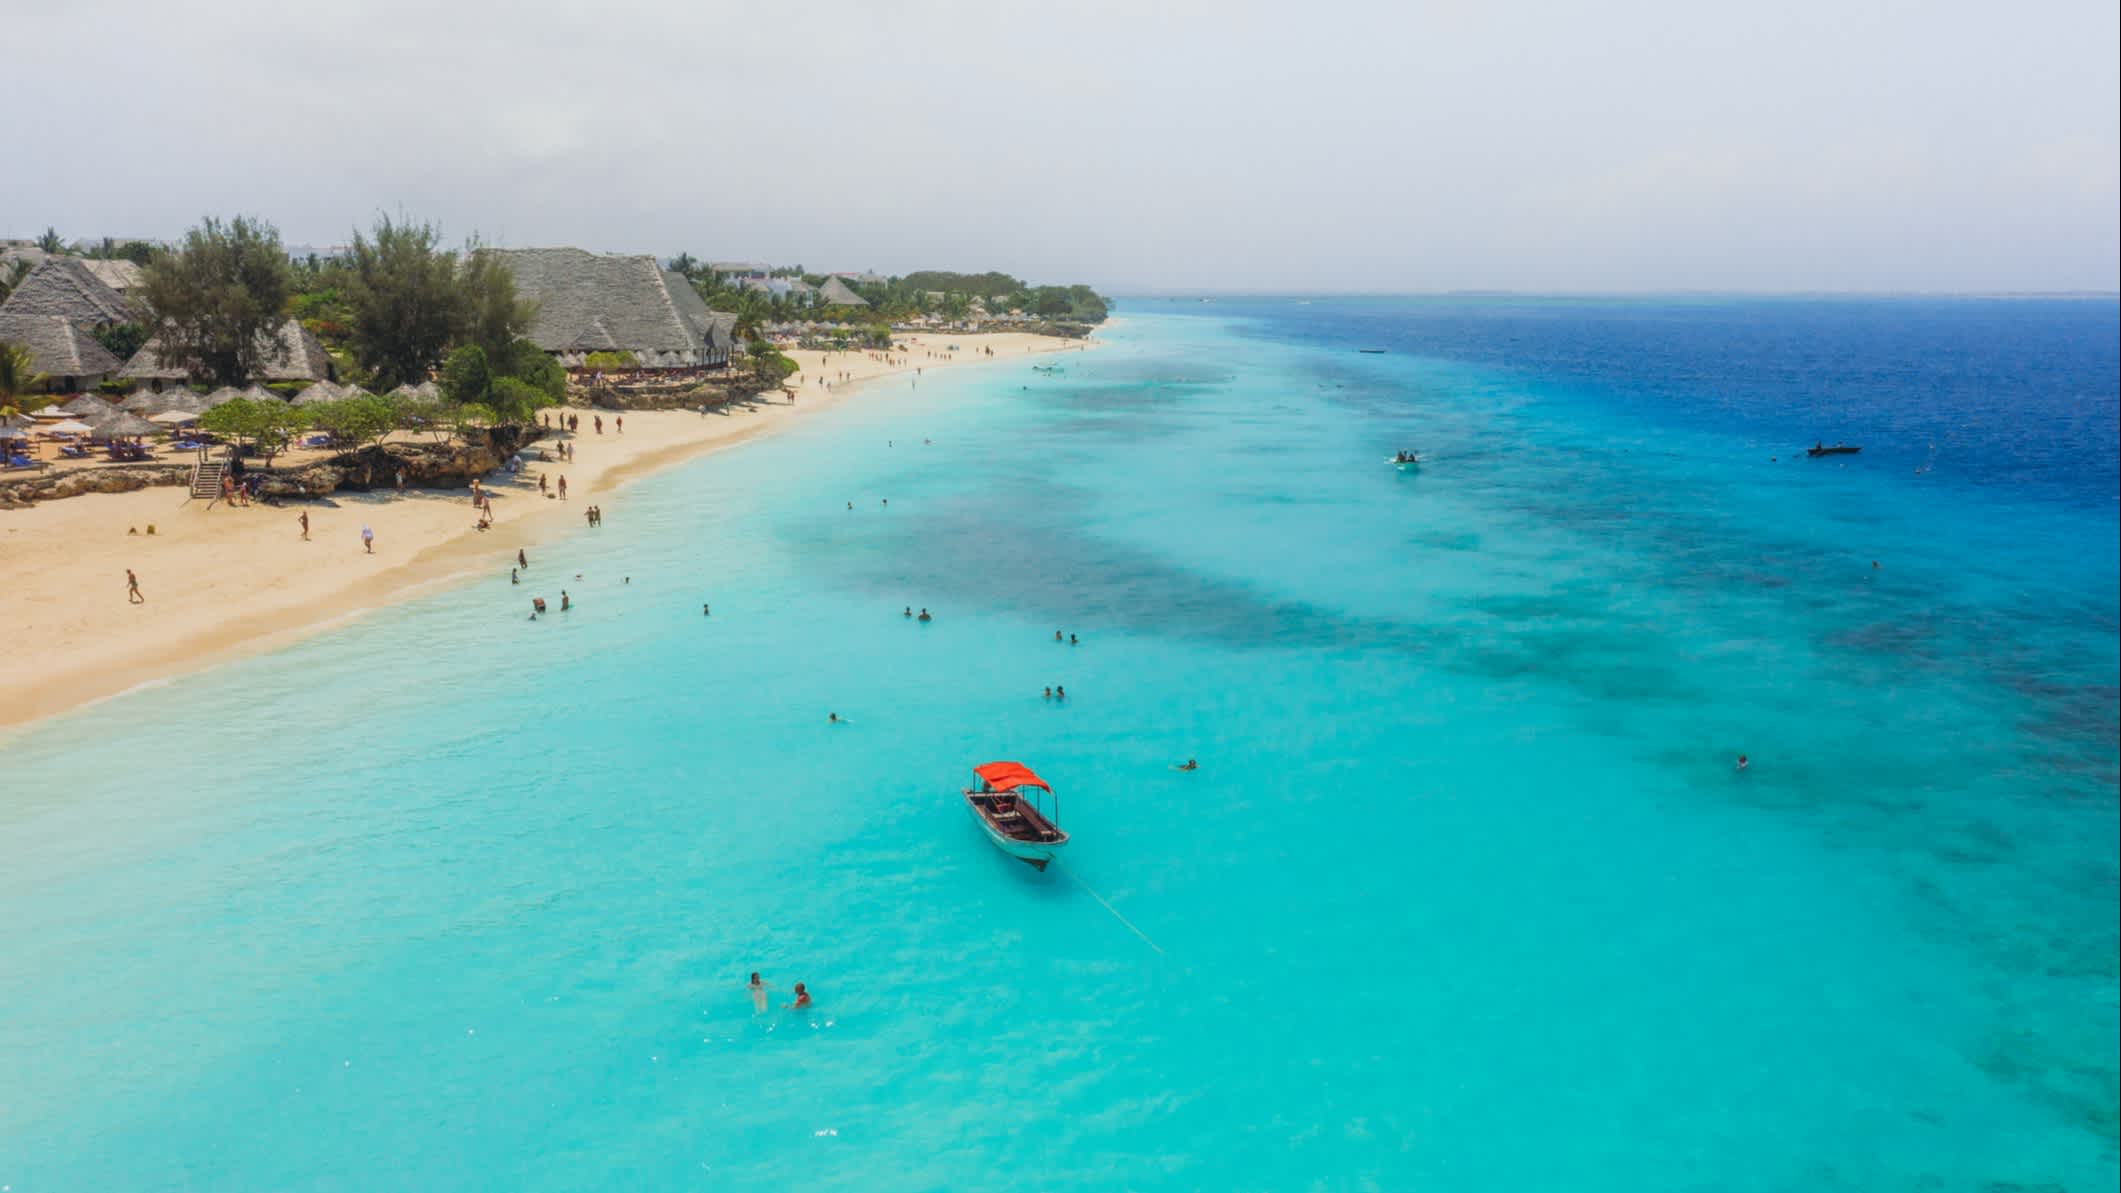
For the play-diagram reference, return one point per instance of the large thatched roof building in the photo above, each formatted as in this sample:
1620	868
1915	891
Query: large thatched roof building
62	350
837	293
588	302
67	287
294	355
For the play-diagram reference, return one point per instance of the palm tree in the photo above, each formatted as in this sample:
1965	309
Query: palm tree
50	241
11	276
17	375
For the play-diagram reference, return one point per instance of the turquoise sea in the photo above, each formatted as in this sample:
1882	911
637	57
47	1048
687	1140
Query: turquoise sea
1466	895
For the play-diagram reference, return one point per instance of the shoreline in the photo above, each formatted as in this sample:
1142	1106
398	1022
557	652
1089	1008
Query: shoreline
227	583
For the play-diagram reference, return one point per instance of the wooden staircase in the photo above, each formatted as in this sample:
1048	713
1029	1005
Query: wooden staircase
206	478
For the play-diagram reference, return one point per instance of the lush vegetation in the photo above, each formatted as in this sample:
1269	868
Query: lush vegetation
17	376
122	339
932	293
406	302
219	297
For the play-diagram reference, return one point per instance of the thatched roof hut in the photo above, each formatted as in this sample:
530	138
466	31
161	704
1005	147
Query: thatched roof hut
58	347
836	293
295	354
587	302
66	287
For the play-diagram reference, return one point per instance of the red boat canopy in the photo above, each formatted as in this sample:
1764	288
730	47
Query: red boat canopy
1008	776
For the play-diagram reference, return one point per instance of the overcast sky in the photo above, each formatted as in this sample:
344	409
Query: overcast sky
1317	145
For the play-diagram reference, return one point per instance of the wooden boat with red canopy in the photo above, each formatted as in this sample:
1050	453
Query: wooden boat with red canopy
1018	826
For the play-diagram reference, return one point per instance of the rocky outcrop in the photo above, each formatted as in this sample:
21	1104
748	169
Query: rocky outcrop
446	465
642	391
19	491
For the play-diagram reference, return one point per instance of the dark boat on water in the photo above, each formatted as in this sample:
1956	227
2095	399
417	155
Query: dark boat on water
1371	351
1839	449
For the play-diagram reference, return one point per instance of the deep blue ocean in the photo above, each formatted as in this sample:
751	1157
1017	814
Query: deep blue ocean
1467	893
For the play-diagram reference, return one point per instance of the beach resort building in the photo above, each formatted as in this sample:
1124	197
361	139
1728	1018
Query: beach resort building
795	289
68	288
739	271
590	302
837	293
66	353
295	354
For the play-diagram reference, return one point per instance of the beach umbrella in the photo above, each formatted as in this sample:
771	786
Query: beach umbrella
321	392
120	425
16	422
143	402
13	433
221	396
72	426
86	406
173	417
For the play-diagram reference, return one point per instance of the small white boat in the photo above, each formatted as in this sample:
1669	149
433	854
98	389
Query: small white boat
1018	828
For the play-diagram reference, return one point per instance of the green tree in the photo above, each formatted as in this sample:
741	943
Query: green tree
268	425
493	314
515	400
218	299
355	421
122	339
17	375
466	375
50	241
403	302
11	276
535	367
430	415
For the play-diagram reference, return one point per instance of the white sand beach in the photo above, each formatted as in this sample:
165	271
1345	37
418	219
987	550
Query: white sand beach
223	581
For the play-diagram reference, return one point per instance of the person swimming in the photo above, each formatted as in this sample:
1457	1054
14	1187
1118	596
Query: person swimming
1743	762
1056	635
909	611
1049	692
924	616
1190	764
802	999
1059	692
1074	641
833	718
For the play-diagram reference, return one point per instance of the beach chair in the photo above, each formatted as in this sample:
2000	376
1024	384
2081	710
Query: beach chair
73	452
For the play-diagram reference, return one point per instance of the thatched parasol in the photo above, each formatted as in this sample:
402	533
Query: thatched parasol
221	396
172	418
120	425
84	405
318	394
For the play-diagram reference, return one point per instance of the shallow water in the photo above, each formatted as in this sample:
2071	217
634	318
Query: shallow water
1466	894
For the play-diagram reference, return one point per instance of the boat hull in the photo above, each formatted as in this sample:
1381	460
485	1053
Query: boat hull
1035	854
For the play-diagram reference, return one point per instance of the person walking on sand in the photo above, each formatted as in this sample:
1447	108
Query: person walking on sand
620	421
521	562
542	485
305	525
563	486
132	589
368	540
401	480
599	420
